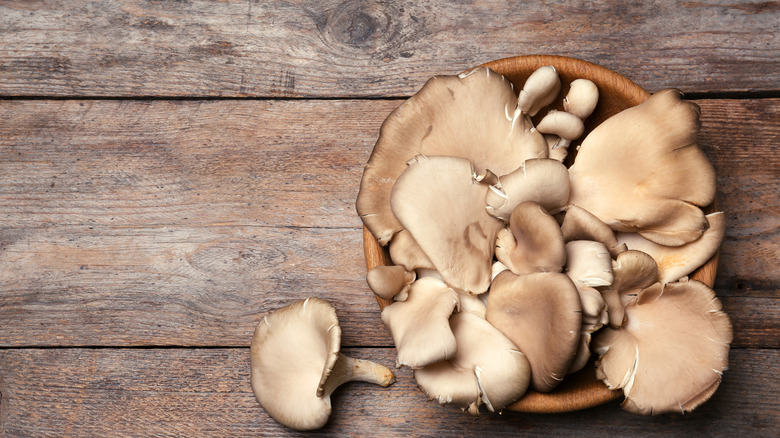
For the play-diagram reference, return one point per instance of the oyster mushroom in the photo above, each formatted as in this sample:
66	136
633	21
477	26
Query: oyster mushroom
642	171
539	90
296	364
388	281
472	115
420	326
438	200
541	314
588	263
671	352
579	224
488	368
678	261
544	181
632	272
532	243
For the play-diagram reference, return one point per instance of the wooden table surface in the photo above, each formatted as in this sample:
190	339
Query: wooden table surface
172	170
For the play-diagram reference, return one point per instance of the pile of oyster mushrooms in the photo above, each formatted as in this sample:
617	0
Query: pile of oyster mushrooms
511	270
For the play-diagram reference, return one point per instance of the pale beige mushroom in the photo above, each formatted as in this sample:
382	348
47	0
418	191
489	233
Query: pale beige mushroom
588	262
419	325
594	316
580	102
544	181
404	251
642	171
579	224
388	281
296	364
487	369
472	115
671	352
438	200
678	261
541	314
539	90
582	98
632	272
532	243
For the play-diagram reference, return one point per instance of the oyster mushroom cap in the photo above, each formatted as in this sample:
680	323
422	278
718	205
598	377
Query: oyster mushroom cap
565	125
438	200
472	115
582	98
679	261
543	180
541	314
487	368
404	251
420	324
642	171
532	243
296	364
579	224
388	281
539	90
672	351
588	262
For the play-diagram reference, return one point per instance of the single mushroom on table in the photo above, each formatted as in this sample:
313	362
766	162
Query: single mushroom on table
296	364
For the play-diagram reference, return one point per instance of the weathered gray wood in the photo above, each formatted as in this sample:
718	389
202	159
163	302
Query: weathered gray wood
180	223
370	48
195	392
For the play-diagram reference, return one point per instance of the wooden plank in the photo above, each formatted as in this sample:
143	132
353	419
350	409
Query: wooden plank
179	223
350	48
196	392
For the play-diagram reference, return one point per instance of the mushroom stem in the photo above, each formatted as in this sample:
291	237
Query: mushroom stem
349	369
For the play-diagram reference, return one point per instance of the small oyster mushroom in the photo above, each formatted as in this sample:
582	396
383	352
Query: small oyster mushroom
582	98
565	126
488	368
438	200
388	281
404	251
539	90
532	243
472	115
671	352
296	364
679	261
594	316
544	181
580	101
632	271
588	262
542	315
642	171
419	325
579	224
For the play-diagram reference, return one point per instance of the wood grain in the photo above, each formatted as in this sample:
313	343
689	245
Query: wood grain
181	223
206	392
349	48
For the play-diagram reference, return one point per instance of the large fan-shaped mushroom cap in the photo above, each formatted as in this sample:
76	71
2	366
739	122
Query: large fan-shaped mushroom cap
473	115
642	171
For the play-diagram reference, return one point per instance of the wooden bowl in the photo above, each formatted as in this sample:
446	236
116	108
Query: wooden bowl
579	390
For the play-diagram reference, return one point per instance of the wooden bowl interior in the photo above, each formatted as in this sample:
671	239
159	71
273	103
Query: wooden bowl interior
579	390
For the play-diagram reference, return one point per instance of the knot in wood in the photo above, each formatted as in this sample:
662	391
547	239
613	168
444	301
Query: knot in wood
360	25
